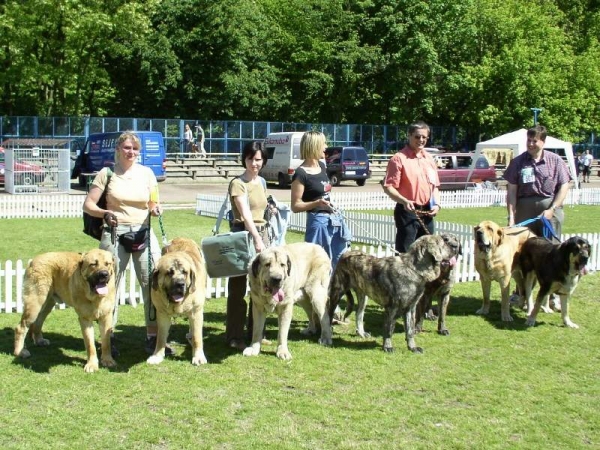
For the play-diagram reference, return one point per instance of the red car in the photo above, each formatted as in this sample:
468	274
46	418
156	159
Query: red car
454	169
25	173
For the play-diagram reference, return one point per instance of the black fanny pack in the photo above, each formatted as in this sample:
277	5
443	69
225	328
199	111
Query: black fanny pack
135	241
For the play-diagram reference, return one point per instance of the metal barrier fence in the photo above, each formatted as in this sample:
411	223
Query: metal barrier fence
222	136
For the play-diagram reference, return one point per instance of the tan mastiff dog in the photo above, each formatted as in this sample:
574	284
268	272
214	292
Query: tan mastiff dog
85	282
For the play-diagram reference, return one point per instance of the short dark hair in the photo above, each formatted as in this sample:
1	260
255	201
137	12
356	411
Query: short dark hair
251	149
420	125
539	131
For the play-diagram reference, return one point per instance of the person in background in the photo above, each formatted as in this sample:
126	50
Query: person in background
248	196
311	194
411	180
586	161
132	197
188	139
538	183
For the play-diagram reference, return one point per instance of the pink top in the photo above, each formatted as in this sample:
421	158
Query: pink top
413	175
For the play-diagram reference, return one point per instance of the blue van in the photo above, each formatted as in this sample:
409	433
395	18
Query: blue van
99	152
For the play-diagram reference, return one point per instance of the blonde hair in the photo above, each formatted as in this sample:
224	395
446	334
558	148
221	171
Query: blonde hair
135	140
311	145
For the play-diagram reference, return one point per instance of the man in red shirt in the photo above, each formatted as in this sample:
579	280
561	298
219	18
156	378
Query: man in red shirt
411	180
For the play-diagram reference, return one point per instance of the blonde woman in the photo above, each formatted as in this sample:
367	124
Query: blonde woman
310	194
132	196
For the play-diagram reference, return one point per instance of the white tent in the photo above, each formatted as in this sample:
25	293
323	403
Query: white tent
515	143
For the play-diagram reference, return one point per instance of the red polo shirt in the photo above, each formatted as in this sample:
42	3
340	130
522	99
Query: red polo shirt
413	175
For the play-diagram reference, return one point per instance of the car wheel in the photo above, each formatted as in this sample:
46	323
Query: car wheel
281	181
334	179
361	182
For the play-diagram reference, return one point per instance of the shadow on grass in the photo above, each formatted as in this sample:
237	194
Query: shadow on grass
467	306
43	359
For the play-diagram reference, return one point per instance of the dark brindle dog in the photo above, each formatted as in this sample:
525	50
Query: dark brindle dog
557	268
440	290
396	283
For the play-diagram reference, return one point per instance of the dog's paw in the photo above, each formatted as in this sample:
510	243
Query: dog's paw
251	351
444	332
199	359
569	324
23	354
91	366
308	331
42	342
388	349
417	350
108	362
155	359
327	342
507	318
482	311
283	353
363	334
547	309
530	322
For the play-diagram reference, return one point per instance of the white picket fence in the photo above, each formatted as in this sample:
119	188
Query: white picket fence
377	233
67	205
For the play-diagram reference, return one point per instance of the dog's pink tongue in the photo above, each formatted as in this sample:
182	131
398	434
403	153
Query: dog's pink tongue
278	296
101	289
177	298
583	270
452	261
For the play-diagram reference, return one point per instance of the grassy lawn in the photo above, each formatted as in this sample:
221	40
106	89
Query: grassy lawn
487	385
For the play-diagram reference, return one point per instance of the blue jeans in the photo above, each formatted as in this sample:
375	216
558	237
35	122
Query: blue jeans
328	231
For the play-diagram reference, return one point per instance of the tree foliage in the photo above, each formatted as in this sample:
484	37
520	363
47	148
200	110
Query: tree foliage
477	64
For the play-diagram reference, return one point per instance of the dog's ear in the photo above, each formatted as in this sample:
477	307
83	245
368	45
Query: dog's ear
255	266
155	279
192	279
289	265
499	236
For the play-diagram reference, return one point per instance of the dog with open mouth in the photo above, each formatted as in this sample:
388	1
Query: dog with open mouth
396	283
557	268
439	289
179	288
85	282
280	277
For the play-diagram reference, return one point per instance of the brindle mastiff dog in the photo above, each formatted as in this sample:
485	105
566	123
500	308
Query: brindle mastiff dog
85	282
439	289
396	283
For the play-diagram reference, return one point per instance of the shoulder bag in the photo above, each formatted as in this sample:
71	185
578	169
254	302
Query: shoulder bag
92	226
227	254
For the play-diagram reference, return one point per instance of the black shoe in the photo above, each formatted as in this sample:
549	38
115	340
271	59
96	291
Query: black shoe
150	346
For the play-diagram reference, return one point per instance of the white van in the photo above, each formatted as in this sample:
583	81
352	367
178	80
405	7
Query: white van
283	157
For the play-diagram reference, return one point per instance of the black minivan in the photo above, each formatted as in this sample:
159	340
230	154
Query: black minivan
347	163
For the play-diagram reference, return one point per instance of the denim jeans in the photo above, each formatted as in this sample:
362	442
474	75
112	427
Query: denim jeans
328	231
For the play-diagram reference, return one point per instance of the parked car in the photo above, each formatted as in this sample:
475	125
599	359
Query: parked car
25	173
347	163
454	170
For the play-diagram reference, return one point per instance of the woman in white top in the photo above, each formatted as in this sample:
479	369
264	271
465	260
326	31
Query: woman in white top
132	196
188	138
